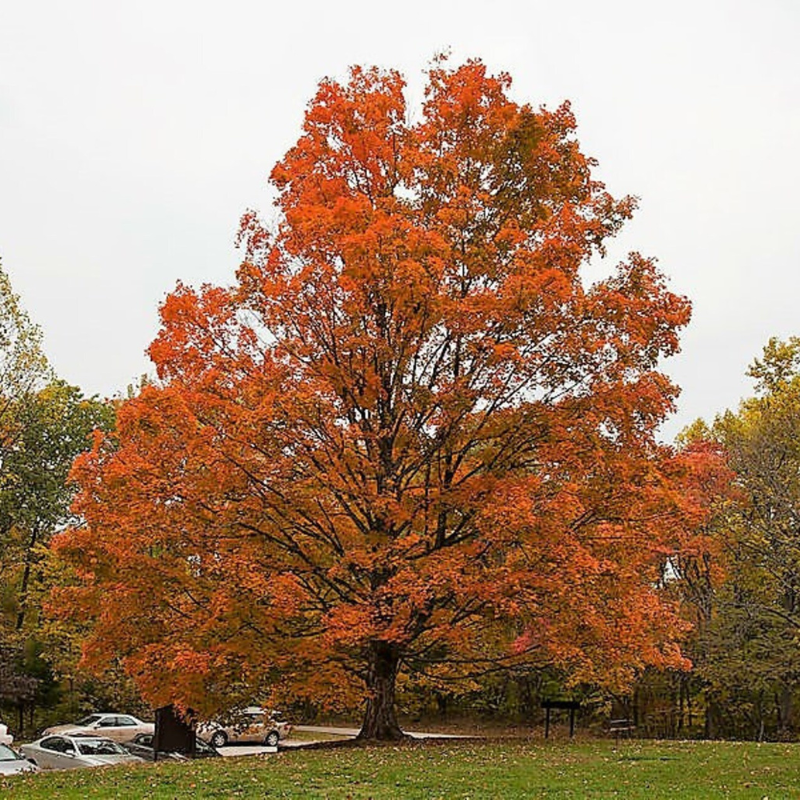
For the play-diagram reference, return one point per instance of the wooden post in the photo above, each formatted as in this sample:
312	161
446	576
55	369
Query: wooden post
567	705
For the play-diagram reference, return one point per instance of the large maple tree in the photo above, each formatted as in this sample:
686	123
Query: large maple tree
410	440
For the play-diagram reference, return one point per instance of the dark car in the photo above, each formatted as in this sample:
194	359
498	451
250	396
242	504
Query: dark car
142	746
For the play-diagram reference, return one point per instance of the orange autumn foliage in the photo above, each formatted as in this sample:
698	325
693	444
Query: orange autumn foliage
409	435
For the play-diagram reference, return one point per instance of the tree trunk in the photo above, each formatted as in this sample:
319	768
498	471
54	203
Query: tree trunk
380	720
784	703
711	726
441	704
527	707
26	575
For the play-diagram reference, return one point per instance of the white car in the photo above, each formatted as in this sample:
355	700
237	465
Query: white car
12	763
70	752
119	727
5	736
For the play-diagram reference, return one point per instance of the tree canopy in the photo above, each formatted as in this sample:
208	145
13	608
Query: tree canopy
23	369
409	440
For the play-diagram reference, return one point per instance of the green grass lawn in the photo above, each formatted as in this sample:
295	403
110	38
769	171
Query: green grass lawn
450	770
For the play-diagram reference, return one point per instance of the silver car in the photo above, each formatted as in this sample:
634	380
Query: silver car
12	762
70	752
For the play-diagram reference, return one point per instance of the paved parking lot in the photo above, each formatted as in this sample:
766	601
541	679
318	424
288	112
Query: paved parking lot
353	732
345	733
246	750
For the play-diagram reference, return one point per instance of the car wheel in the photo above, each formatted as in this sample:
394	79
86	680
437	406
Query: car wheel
219	739
272	739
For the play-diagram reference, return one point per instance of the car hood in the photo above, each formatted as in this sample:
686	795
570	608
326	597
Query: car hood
13	767
66	729
116	759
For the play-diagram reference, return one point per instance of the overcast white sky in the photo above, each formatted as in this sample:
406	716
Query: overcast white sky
133	136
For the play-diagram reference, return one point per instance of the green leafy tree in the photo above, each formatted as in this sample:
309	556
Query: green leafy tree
54	425
44	424
749	630
23	370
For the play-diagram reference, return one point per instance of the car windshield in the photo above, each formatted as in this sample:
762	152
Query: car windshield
7	754
99	747
90	720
